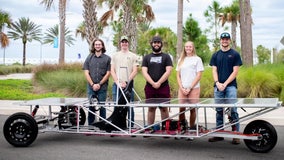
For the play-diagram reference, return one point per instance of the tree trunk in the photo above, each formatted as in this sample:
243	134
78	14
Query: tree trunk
179	28
246	32
133	37
62	18
130	27
234	34
90	18
24	54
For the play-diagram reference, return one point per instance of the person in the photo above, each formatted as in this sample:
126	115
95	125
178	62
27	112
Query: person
124	67
189	71
97	72
225	66
156	69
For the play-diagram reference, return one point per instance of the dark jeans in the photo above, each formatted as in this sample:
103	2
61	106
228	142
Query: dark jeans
114	95
102	95
230	93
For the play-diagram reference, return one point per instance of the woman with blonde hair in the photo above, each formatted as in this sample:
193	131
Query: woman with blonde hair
189	72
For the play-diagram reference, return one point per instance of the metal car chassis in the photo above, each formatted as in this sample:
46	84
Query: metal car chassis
21	129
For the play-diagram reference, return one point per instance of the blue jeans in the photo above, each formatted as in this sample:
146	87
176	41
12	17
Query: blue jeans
229	92
102	95
114	95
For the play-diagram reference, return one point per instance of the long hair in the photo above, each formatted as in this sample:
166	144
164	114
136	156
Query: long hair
183	53
92	48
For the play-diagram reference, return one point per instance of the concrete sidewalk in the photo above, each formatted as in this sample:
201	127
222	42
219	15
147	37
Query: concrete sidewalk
17	76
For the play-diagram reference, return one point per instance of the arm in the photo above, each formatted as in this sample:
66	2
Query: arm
166	75
179	80
196	79
105	78
147	76
113	74
183	90
215	74
232	76
133	73
90	81
88	77
216	80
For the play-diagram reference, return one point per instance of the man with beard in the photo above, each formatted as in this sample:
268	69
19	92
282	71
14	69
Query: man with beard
97	72
156	68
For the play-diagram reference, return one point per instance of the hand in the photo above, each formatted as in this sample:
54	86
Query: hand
123	84
96	87
156	85
220	86
186	91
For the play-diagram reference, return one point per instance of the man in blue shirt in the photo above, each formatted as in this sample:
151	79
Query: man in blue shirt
225	66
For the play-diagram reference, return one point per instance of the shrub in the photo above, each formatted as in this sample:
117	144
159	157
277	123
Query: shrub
258	81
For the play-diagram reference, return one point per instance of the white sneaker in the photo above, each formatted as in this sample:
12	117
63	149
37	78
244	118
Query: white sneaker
189	139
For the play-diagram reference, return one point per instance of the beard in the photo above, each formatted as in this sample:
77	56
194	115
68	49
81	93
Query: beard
98	50
157	49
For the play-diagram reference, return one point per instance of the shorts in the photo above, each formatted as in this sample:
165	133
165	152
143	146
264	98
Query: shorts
162	92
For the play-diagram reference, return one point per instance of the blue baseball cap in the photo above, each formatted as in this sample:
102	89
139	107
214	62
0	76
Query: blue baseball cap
225	35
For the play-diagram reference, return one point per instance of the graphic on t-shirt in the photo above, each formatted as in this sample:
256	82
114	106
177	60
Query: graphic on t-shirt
156	60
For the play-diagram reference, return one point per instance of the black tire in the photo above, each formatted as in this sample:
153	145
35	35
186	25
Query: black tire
70	115
82	118
268	136
20	129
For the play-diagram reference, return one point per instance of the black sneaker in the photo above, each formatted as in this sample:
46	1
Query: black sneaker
183	126
193	127
236	141
149	131
215	139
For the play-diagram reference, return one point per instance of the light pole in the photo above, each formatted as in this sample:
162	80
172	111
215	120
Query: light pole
40	56
4	54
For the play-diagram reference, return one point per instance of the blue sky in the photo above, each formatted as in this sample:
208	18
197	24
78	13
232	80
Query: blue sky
267	29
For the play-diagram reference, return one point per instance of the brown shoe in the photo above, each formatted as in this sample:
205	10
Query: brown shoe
236	141
215	139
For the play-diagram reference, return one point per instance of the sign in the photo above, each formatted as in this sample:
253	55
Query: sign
282	40
55	42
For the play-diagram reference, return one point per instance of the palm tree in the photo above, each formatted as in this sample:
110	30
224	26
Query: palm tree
62	18
5	19
132	13
91	27
4	40
212	14
246	32
25	30
231	14
143	27
53	33
179	27
81	30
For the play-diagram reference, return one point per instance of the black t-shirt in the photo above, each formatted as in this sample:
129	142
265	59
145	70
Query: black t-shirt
225	62
156	64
